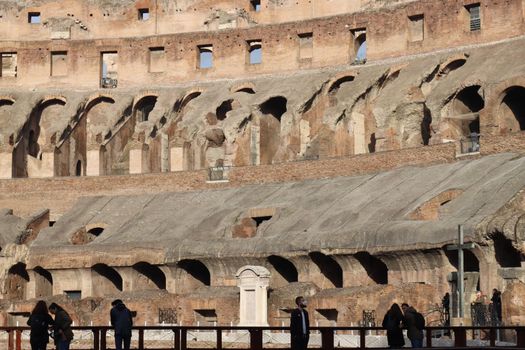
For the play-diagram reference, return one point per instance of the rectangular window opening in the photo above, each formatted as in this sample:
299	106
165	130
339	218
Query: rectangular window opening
143	14
73	294
9	64
33	17
205	58
254	52
416	27
58	63
327	317
358	45
474	11
206	317
108	69
306	45
157	59
256	5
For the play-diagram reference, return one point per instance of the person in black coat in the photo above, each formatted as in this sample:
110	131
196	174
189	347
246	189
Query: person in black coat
299	325
393	323
39	321
122	322
496	304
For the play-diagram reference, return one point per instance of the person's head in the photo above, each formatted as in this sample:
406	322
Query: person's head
395	310
405	307
40	308
116	302
494	291
300	301
54	308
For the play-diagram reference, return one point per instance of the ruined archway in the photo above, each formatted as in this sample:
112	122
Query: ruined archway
334	87
179	106
375	268
143	108
330	268
43	282
462	118
148	276
511	112
505	253
225	107
196	273
105	279
284	268
16	282
270	128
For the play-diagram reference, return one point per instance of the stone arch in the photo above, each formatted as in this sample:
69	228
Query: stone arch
450	65
43	282
106	280
182	103
148	276
375	268
463	110
471	261
225	107
5	103
511	110
506	254
143	107
285	269
95	116
329	267
270	127
247	88
28	142
195	272
16	282
336	84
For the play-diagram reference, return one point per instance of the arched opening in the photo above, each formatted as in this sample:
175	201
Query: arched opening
149	276
329	268
275	106
246	90
78	168
223	109
451	66
16	281
144	107
197	270
337	84
375	268
43	282
284	267
463	115
426	130
506	254
471	263
106	280
270	128
181	104
512	110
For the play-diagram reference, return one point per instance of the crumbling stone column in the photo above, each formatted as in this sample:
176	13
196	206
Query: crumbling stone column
253	282
6	165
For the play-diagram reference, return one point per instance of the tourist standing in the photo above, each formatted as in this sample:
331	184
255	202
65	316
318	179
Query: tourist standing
299	325
39	321
413	325
393	323
62	327
122	322
496	304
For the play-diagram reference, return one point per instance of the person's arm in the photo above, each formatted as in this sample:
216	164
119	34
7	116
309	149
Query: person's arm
29	320
112	317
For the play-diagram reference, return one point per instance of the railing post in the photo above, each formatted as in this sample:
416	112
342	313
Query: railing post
18	339
256	339
103	339
362	338
460	337
327	338
183	339
96	339
10	340
520	337
219	339
176	339
493	333
428	333
141	339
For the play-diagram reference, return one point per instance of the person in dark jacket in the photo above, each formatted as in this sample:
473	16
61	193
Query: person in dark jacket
393	323
299	325
413	332
496	304
122	322
62	327
39	321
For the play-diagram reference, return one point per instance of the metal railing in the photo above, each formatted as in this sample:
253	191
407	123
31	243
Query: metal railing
17	338
470	144
108	83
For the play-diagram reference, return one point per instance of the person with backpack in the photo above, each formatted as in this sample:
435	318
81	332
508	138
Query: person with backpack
39	321
393	323
62	327
415	324
122	321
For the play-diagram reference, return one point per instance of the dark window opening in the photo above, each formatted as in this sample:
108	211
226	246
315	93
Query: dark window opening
44	273
337	84
197	270
109	273
180	104
329	268
206	317
372	144
506	254
375	268
328	317
471	263
33	17
78	168
284	267
52	223
19	269
143	14
256	5
260	219
152	272
223	109
246	90
452	66
275	106
514	100
426	128
416	28
144	108
73	294
96	231
474	11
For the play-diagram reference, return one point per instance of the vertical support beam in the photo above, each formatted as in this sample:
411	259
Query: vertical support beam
362	338
141	339
460	337
103	339
327	338
493	333
428	334
256	339
183	339
520	337
10	340
18	339
219	338
96	339
461	272
176	339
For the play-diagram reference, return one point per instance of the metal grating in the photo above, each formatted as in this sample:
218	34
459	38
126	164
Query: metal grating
475	18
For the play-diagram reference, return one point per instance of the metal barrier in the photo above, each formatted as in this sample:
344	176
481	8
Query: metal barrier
255	336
